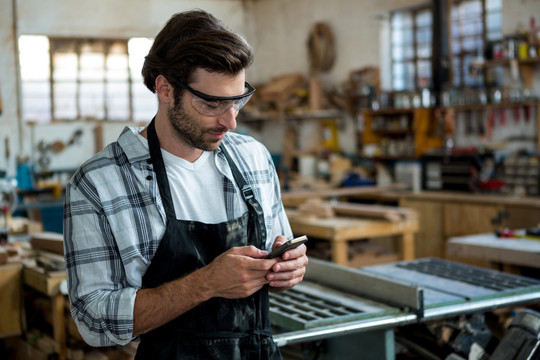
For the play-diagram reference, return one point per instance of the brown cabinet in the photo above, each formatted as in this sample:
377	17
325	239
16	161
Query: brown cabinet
466	219
429	236
443	215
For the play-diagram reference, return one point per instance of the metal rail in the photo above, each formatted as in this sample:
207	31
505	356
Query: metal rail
329	331
481	305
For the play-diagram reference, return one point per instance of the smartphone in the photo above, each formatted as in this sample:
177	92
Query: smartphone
291	244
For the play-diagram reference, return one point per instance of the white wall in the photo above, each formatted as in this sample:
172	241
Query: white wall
283	26
8	91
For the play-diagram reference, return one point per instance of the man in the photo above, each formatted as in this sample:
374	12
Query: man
166	229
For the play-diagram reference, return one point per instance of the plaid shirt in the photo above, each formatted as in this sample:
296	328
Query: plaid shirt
114	220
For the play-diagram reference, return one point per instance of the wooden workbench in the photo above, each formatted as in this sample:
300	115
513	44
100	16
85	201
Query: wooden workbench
49	284
339	230
498	251
10	300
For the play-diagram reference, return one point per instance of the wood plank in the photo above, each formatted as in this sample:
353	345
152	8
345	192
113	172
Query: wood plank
389	213
48	241
337	192
46	283
347	228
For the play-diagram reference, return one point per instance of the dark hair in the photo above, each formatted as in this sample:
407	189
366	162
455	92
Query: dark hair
191	40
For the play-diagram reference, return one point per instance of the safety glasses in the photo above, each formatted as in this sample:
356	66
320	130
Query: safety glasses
210	105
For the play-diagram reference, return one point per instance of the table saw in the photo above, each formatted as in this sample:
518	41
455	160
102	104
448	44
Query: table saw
347	305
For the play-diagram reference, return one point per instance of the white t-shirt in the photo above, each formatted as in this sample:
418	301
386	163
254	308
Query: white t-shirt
196	187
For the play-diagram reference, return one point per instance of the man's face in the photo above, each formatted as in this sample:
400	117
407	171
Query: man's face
198	130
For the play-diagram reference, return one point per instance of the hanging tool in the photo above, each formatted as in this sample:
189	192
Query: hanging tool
517	114
490	125
527	113
480	123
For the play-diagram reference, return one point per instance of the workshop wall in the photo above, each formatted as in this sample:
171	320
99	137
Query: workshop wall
277	29
362	34
281	34
85	18
8	116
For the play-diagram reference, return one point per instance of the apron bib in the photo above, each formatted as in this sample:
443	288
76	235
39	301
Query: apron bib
218	328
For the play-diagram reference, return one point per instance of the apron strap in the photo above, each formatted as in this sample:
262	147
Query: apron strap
245	189
248	196
159	169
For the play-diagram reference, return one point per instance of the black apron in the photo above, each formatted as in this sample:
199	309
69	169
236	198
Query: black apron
218	328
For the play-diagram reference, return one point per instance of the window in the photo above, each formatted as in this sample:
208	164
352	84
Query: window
473	23
411	49
84	79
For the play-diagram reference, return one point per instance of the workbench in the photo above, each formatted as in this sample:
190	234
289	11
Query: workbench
10	300
516	251
49	284
339	230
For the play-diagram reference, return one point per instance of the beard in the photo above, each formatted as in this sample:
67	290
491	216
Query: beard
188	129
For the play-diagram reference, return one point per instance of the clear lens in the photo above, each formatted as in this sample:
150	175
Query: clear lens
218	107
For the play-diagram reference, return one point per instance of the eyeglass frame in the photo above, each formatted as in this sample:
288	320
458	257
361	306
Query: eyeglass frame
209	98
206	97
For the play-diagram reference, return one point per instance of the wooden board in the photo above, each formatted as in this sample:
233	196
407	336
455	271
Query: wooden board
390	213
281	87
48	241
296	197
46	283
326	209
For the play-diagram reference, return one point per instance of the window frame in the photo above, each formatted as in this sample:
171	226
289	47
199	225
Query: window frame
413	11
125	78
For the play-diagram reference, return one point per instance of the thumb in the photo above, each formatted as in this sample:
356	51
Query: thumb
280	240
250	251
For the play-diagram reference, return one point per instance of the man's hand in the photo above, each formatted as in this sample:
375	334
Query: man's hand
290	268
237	273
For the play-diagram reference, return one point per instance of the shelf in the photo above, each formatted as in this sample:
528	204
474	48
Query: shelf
389	111
526	68
258	118
393	132
493	106
506	62
322	114
389	158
